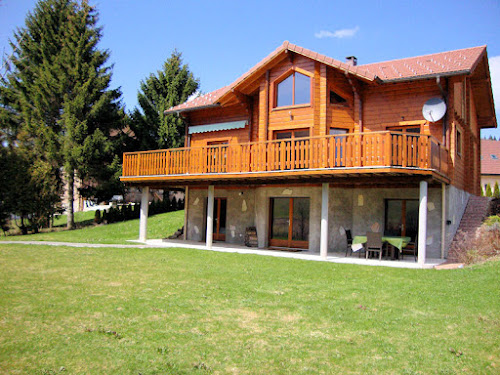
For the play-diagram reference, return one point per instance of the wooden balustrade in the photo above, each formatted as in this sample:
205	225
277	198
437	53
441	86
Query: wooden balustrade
357	150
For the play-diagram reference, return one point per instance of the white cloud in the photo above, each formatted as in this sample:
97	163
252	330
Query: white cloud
342	33
495	80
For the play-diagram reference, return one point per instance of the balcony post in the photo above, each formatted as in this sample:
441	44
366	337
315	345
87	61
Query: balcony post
143	222
324	221
422	224
210	216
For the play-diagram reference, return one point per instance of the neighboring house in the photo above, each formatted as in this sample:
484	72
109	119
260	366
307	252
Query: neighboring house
490	163
303	147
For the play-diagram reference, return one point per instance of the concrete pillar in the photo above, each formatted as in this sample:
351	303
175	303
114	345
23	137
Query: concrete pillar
143	225
422	224
186	201
323	245
443	219
210	216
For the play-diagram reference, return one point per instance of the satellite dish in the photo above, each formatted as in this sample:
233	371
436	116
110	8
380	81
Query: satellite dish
434	109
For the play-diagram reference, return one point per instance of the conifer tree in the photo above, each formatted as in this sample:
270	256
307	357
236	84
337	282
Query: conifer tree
488	191
56	97
171	86
496	191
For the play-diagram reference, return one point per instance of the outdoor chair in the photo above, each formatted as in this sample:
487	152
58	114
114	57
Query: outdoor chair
348	249
411	249
374	244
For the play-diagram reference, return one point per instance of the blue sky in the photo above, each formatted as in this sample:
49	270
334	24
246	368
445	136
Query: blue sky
220	40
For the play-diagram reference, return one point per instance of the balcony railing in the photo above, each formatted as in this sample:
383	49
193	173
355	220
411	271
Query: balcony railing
346	151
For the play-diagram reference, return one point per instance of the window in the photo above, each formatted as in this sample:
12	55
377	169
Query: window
294	90
337	131
336	98
401	218
406	129
459	143
494	157
287	134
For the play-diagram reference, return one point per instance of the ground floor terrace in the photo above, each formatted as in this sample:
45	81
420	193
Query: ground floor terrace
316	218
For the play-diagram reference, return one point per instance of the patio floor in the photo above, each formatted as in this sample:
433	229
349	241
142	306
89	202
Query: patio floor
335	257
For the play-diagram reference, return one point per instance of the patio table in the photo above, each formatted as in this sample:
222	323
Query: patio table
397	242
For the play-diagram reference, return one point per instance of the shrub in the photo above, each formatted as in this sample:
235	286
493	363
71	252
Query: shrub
97	217
484	246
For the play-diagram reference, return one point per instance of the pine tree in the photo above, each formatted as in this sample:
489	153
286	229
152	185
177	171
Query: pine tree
56	98
171	86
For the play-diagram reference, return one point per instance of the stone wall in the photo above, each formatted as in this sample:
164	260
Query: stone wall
240	213
357	209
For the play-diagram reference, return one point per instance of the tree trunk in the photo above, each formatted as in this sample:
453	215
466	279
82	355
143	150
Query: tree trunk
71	189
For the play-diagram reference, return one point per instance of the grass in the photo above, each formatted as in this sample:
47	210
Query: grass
159	226
183	311
80	217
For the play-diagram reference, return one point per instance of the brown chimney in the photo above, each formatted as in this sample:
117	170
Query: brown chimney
351	60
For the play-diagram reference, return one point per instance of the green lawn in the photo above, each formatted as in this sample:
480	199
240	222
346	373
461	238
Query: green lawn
159	226
81	217
182	311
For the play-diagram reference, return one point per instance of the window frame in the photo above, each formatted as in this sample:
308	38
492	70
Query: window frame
459	142
284	76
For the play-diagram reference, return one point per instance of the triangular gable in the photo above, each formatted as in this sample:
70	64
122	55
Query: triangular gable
442	64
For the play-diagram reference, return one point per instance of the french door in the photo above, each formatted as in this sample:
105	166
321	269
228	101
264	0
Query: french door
291	142
289	224
401	217
220	208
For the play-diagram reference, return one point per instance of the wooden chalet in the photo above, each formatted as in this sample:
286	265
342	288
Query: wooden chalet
304	147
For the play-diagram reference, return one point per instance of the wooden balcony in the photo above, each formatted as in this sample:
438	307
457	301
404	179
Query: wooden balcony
380	153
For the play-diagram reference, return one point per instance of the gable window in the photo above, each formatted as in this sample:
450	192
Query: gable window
336	98
293	90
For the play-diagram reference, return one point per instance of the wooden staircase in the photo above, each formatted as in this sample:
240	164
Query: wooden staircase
477	210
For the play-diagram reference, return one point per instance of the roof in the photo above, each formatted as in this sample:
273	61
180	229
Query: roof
461	61
421	67
489	164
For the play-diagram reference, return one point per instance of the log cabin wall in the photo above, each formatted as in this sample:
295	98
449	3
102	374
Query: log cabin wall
464	129
399	104
216	115
383	106
339	115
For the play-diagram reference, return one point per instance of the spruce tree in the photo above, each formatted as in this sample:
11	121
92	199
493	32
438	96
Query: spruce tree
171	86
57	98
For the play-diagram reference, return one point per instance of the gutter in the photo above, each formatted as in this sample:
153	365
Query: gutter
420	77
168	111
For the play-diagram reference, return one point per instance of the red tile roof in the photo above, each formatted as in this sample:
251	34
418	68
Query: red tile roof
421	67
490	165
458	62
202	101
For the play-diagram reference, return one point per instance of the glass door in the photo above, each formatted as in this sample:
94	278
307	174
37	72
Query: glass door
294	145
401	218
220	208
289	225
410	137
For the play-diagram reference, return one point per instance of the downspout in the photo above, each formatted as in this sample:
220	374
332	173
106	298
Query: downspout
250	117
444	94
187	136
356	95
266	122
